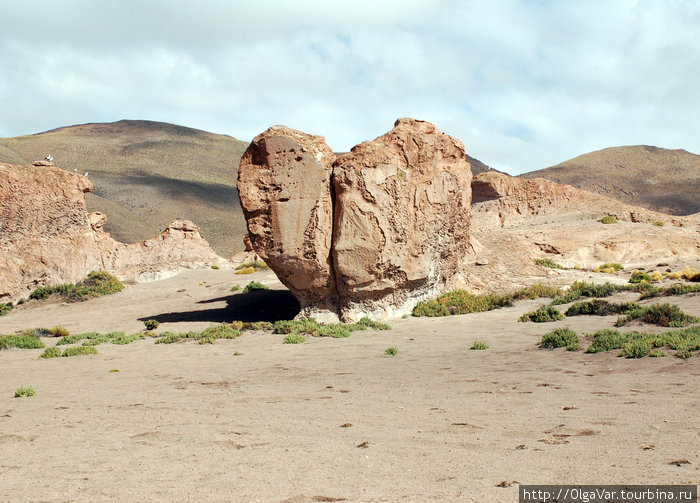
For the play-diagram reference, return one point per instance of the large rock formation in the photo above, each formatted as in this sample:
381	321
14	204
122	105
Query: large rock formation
48	237
369	233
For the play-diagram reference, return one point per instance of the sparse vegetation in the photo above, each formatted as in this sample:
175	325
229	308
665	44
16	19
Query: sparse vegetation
547	262
253	286
657	353
542	315
151	324
391	351
294	338
636	348
96	338
257	325
97	284
256	265
53	352
237	353
25	340
5	309
245	270
25	392
215	267
221	331
675	289
665	315
79	351
59	331
112	371
612	265
207	336
639	277
659	223
599	307
608	219
337	330
479	345
560	338
236	288
638	344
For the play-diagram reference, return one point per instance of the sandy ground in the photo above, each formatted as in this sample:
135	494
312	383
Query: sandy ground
331	419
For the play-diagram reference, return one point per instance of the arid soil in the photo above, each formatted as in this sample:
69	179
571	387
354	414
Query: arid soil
332	419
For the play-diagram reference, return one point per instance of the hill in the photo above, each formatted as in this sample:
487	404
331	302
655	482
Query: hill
659	179
147	174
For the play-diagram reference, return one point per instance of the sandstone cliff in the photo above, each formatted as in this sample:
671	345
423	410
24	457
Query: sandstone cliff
48	237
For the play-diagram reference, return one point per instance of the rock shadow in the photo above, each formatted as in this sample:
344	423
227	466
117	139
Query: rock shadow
261	305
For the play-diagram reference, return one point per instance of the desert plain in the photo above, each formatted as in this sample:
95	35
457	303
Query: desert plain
253	419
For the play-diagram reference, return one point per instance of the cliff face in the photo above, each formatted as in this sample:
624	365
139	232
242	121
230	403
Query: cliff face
48	237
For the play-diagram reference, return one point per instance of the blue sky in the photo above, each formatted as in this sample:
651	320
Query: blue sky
525	84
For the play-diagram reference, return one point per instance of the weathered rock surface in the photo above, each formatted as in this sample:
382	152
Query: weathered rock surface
401	219
47	236
284	185
366	234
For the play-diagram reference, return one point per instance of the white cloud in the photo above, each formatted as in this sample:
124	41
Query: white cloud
523	83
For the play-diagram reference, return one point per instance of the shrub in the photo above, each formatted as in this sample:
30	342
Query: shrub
253	286
80	350
599	307
637	348
22	341
656	276
237	353
258	325
51	353
391	351
543	315
5	309
215	267
59	331
536	291
560	338
97	284
236	288
237	325
665	315
612	265
169	338
547	262
606	340
24	392
221	331
294	338
256	265
72	339
608	219
151	324
675	289
657	353
659	223
479	345
639	276
121	339
245	270
580	289
684	353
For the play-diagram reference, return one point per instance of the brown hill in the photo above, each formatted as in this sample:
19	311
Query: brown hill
659	179
147	174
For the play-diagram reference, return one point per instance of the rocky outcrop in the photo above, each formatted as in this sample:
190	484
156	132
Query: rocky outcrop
47	236
284	185
369	233
502	200
401	219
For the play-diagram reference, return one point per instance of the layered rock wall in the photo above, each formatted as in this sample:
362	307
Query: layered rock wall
368	233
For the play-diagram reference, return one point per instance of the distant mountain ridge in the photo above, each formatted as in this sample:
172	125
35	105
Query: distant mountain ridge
659	179
147	174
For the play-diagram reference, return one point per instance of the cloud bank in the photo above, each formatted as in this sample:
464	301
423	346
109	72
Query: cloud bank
525	84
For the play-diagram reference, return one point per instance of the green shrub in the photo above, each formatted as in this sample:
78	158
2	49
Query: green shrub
245	270
215	267
51	353
151	324
237	353
536	291
580	289
542	315
24	392
337	330
684	353
606	340
294	338
59	331
657	353
479	345
599	307
258	325
97	284
221	331
79	350
236	288
560	338
636	348
608	219
547	262
612	265
659	223
121	339
253	286
256	265
22	341
112	371
639	276
391	351
672	290
5	309
169	338
665	315
72	339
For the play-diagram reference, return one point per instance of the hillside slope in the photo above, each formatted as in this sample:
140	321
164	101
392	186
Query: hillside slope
659	179
147	174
